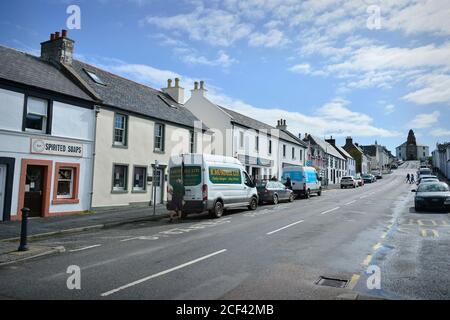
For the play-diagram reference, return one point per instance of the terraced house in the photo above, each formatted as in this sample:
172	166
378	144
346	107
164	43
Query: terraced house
263	149
47	129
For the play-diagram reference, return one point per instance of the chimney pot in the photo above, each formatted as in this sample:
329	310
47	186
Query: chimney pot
52	37
177	82
202	85
195	85
169	83
64	33
57	35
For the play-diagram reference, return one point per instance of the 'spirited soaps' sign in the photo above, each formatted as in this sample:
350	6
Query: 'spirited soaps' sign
59	148
225	175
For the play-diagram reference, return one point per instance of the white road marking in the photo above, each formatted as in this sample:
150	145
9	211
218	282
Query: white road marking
347	204
331	210
290	225
362	197
85	248
162	273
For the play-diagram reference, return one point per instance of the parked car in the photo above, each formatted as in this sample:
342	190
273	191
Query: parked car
424	171
348	181
432	196
359	180
368	178
377	174
426	178
273	192
305	180
212	183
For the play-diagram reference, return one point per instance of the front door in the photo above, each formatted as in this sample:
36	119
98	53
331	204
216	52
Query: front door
2	189
34	190
158	186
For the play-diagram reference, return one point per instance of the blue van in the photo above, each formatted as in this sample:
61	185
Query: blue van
305	180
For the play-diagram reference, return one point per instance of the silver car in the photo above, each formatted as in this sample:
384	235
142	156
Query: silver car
348	182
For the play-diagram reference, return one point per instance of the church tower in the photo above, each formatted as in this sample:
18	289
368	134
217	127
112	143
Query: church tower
411	146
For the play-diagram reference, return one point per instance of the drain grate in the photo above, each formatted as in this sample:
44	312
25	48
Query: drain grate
331	282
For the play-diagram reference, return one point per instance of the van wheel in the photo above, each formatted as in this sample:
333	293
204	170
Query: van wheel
253	204
275	199
308	194
217	212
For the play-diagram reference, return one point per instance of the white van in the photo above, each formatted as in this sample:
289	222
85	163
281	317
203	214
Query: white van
304	180
212	183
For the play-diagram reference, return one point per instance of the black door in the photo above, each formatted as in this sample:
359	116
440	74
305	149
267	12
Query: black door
34	190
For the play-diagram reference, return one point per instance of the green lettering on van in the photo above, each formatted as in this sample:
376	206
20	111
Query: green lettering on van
220	175
192	175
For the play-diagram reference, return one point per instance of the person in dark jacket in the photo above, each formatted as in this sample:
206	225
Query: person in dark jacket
177	199
288	183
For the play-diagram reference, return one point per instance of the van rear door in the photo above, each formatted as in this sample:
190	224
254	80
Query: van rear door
192	180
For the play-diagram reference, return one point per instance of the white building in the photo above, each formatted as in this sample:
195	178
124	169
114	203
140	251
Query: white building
261	148
350	163
46	139
441	158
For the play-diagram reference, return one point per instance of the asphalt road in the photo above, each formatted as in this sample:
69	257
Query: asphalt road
276	252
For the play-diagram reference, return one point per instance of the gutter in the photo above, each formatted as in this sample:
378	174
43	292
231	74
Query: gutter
91	193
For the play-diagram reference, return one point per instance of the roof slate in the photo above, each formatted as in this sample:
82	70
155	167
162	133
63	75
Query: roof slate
30	70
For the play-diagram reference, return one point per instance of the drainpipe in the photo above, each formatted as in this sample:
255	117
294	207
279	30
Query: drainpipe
97	111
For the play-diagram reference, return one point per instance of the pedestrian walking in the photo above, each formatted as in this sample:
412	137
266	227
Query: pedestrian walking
177	200
412	179
408	178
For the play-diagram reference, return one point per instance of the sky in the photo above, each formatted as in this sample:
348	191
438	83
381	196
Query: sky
370	69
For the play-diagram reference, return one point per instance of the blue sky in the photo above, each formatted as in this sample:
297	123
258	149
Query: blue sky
318	64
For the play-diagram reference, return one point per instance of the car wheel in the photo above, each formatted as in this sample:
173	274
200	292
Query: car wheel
217	211
291	197
275	199
253	204
308	194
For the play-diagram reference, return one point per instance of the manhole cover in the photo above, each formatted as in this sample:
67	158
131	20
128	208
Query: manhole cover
331	282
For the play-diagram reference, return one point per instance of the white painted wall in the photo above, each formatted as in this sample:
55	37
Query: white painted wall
72	121
11	110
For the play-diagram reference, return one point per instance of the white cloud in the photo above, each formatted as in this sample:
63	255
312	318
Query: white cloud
191	56
304	68
273	38
390	108
440	132
424	120
434	88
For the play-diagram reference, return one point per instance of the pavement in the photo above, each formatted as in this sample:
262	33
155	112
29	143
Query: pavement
364	243
40	228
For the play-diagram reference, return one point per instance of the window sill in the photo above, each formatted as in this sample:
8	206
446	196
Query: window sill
159	152
138	191
118	146
119	191
65	201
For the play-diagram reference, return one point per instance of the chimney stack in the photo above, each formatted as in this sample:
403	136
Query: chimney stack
281	125
59	49
331	141
199	90
176	93
348	141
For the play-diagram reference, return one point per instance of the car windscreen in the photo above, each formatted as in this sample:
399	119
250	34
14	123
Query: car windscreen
191	175
425	171
433	187
294	175
346	178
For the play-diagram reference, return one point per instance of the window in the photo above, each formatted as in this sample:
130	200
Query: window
293	153
37	114
159	137
120	177
284	151
139	178
120	129
257	143
66	183
270	146
95	78
192	142
301	155
241	139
